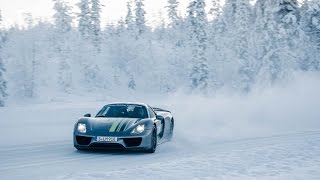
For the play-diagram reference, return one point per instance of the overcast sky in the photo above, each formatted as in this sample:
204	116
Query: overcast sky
13	10
113	10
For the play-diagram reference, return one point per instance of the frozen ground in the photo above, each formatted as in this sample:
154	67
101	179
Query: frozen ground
273	135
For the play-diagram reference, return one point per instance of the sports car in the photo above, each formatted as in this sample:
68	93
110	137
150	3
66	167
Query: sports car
124	126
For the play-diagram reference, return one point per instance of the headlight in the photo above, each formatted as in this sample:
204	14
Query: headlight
82	128
139	129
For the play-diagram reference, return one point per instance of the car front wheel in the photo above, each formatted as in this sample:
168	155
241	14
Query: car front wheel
153	145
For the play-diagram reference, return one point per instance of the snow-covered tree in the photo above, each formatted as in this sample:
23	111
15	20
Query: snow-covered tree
291	37
129	20
96	22
278	39
132	84
267	42
63	28
288	9
3	82
229	11
84	16
28	19
310	19
310	24
62	17
140	17
215	10
242	24
198	21
191	20
175	31
1	18
173	12
129	17
237	47
287	16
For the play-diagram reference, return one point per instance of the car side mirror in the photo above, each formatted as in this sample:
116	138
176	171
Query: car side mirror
87	115
160	117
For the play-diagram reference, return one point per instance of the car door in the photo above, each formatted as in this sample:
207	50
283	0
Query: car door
158	122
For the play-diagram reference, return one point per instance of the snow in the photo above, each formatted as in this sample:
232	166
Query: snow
243	88
269	134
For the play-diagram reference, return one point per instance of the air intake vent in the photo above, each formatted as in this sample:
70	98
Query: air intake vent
82	140
132	141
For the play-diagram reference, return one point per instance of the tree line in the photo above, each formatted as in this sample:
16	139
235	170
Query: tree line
238	46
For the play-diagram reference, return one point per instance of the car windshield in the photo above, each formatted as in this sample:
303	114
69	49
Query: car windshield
124	111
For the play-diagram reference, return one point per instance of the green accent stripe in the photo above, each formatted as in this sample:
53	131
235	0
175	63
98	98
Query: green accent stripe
120	125
114	126
125	125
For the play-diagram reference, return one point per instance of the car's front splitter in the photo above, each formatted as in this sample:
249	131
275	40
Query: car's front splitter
136	142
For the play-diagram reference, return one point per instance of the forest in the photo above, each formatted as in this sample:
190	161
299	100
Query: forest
236	46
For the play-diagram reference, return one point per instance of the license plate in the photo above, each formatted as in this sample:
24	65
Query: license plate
107	139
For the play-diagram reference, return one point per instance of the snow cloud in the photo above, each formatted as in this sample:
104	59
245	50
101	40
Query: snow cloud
283	109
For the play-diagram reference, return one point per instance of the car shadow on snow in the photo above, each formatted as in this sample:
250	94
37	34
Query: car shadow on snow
111	152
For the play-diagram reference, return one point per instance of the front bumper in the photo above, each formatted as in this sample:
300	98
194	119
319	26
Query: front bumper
129	142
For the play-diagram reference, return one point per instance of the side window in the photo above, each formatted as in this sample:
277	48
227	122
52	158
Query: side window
151	113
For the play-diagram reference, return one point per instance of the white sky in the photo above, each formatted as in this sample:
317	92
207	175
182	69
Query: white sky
13	10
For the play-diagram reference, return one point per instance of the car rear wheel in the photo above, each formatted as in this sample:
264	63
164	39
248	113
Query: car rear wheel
153	145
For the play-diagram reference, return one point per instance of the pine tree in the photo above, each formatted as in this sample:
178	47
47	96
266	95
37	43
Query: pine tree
88	63
62	17
28	19
287	7
215	10
132	84
198	22
140	17
173	13
175	32
310	24
288	18
3	83
267	42
242	24
96	22
191	21
129	21
63	28
278	39
84	19
229	11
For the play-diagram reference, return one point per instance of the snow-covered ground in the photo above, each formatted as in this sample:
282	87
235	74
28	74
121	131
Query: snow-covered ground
273	134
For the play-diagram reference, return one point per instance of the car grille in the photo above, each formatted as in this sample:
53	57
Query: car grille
132	141
83	140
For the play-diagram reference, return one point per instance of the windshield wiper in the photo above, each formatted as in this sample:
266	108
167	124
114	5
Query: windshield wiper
100	116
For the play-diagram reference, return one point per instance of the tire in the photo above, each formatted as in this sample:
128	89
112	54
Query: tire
153	145
171	130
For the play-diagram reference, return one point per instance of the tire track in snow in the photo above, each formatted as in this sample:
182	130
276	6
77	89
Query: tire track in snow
257	157
32	146
57	155
54	155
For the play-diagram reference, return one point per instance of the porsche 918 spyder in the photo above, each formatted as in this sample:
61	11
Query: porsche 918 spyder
129	126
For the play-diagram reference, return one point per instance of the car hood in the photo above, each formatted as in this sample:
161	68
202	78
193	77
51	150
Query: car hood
111	125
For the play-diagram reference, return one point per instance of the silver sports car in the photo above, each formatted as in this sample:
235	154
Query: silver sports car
130	126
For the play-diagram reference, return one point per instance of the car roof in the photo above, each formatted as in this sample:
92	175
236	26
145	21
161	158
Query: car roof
128	103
